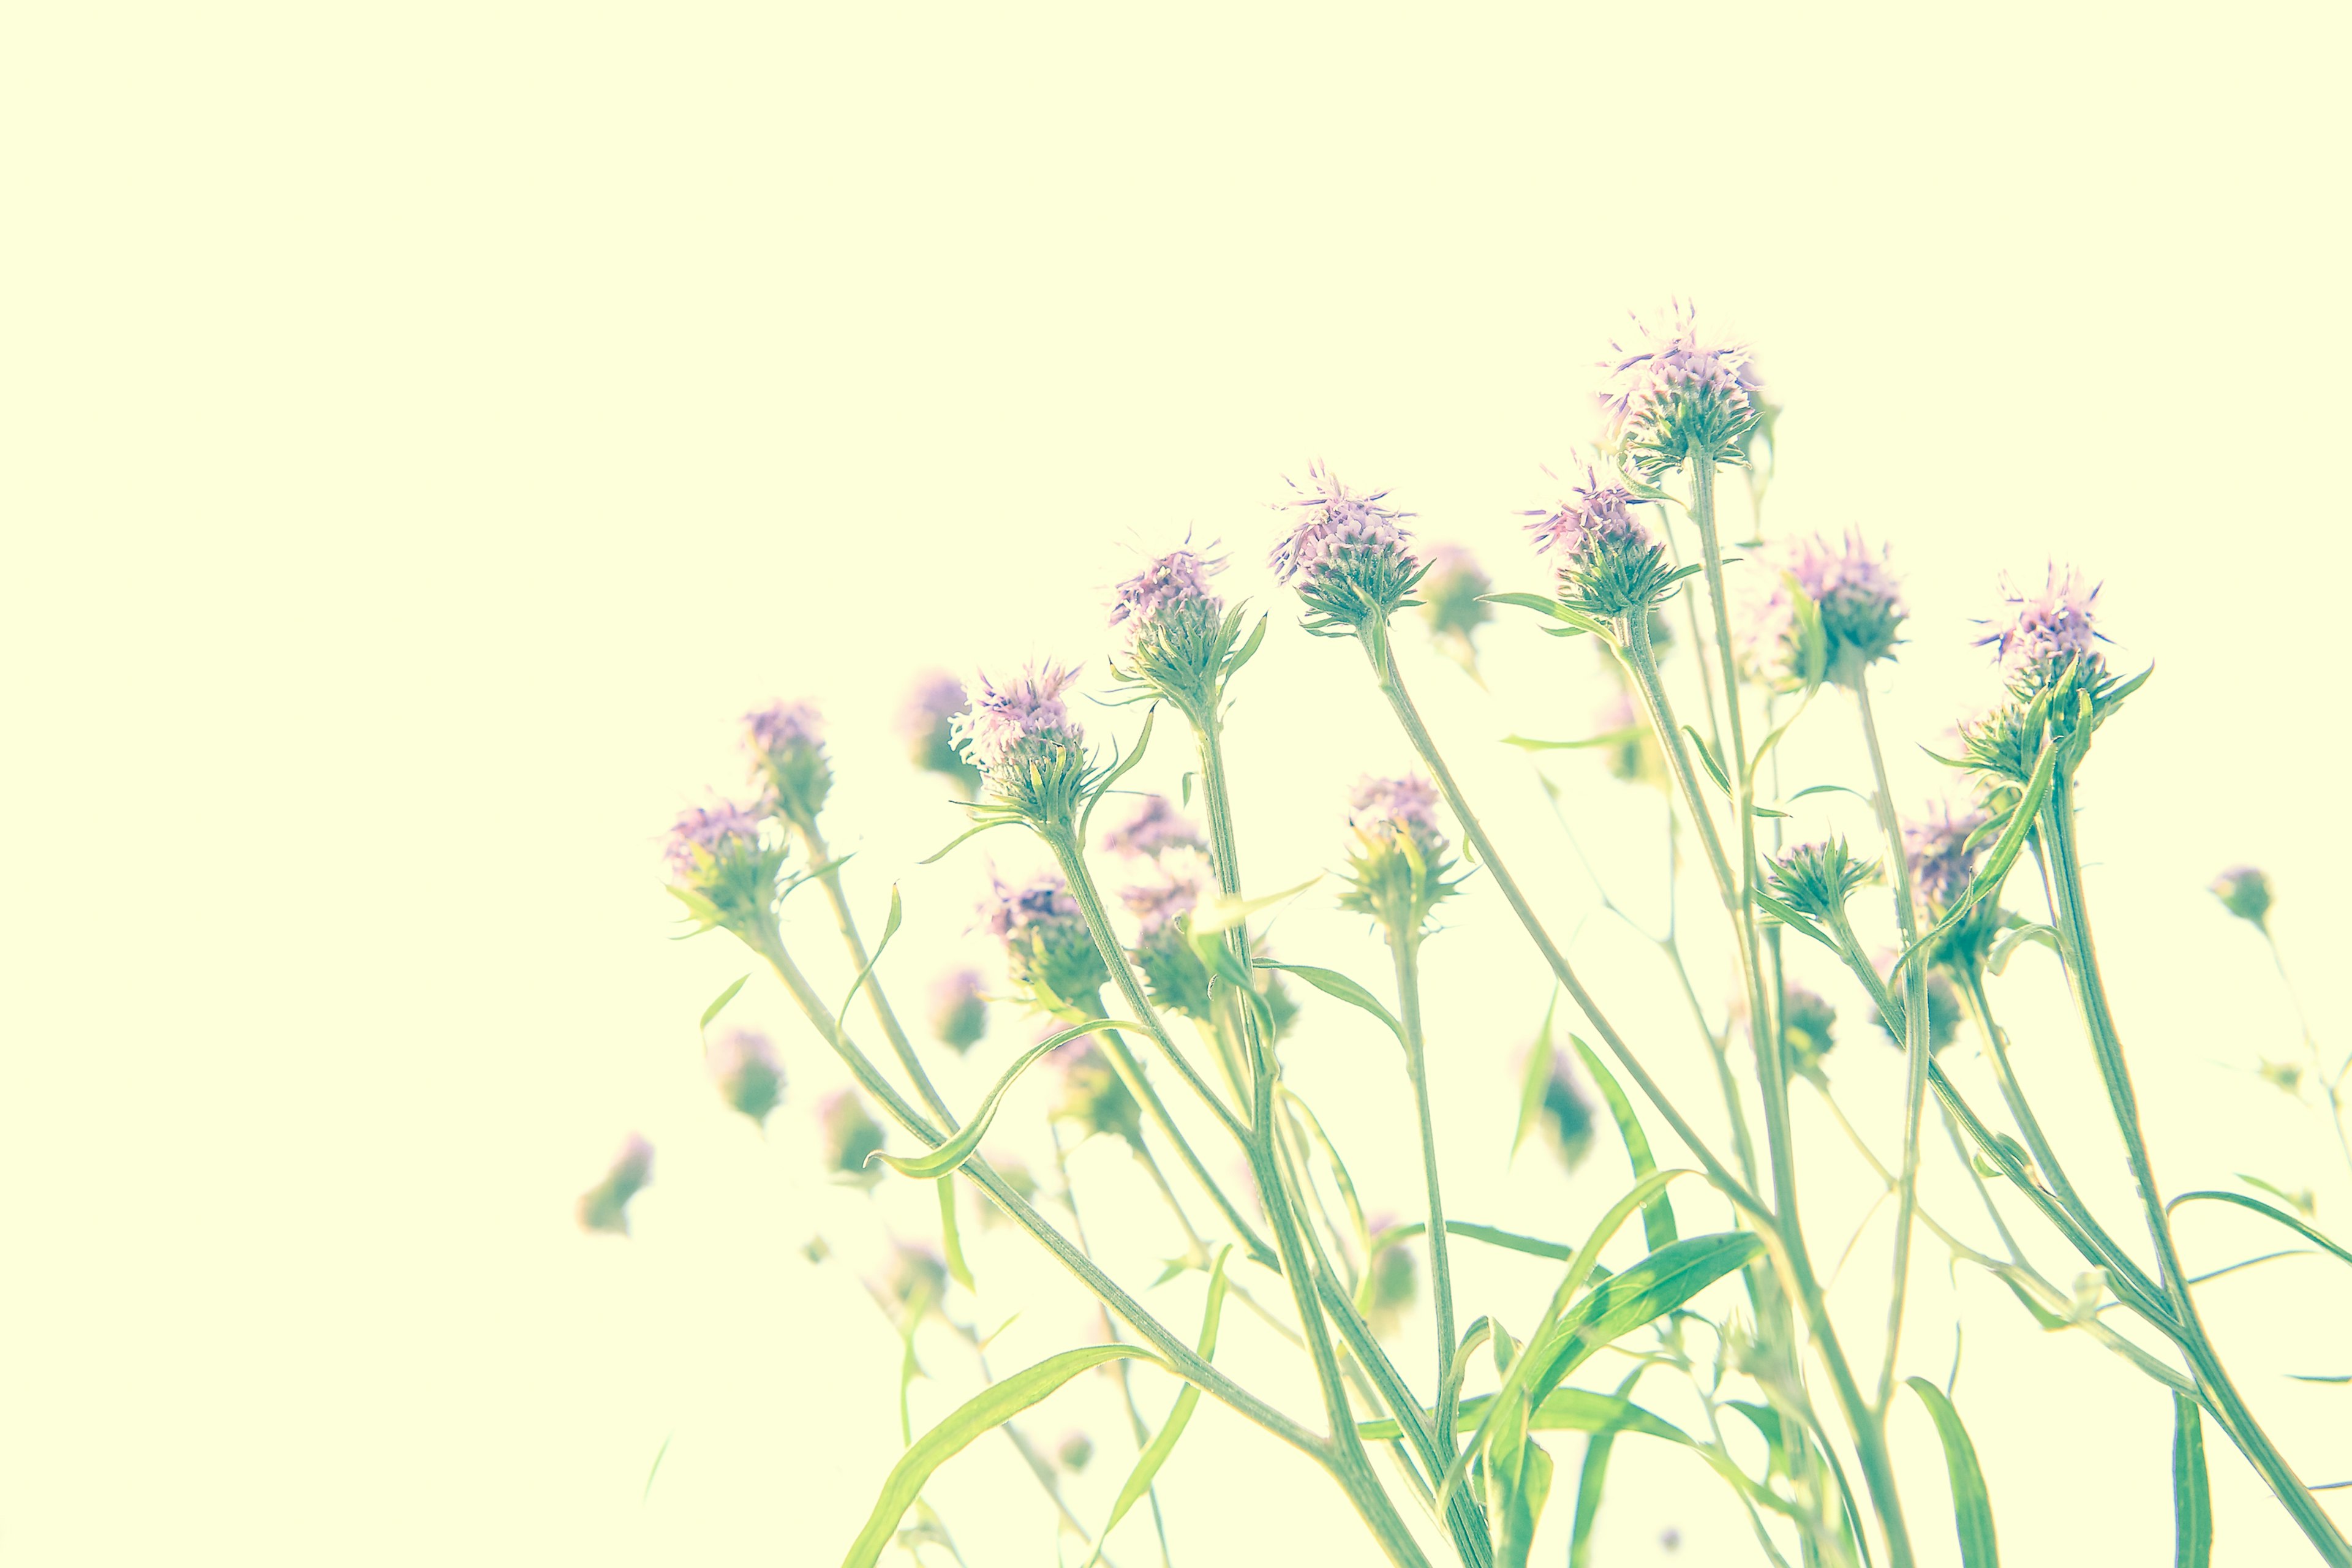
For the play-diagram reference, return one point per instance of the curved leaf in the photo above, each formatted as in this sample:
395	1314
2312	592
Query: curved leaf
944	1159
1146	1464
1118	770
1642	1294
1537	1080
1222	912
2258	1206
2016	937
889	930
941	854
1590	1477
724	997
989	1408
1658	1213
1330	982
1972	1507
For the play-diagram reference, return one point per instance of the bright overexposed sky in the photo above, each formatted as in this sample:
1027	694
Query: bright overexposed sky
426	429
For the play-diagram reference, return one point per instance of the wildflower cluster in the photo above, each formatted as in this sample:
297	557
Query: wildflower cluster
1021	738
724	861
1675	397
1346	556
1611	566
1836	604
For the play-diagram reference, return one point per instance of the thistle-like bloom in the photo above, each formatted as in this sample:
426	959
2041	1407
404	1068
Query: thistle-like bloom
1173	887
1609	564
1093	1094
744	1064
1451	602
928	722
606	1206
1346	556
1173	971
1858	600
1817	879
958	1009
1806	1025
1021	737
1048	949
785	741
1171	583
2245	892
1397	874
2037	634
1074	1451
1152	827
852	1139
1942	862
723	865
1391	1282
1675	396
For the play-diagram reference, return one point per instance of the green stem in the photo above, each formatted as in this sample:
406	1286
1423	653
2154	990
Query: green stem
1405	948
813	842
1915	1043
2107	1043
2330	1084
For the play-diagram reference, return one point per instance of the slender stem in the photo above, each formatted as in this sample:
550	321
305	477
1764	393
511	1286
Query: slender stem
1915	1042
1193	1241
813	842
2091	999
2330	1084
1405	948
768	943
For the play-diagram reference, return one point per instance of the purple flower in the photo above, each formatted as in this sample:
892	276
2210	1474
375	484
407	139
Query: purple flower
783	726
1451	594
1024	714
1937	845
1151	827
1593	515
1178	878
1093	1094
1670	363
958	1009
2041	629
851	1138
1043	900
1179	577
743	1063
1380	809
1048	947
2245	892
928	722
1339	535
606	1206
1860	601
713	834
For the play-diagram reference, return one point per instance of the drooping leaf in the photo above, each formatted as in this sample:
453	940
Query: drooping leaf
1971	1505
944	1159
1118	770
1537	1079
1331	983
1339	1176
1795	922
724	997
1510	1240
989	1408
943	852
1658	1214
951	1239
1155	1454
1707	759
2192	1497
889	930
1641	1294
2280	1214
2016	937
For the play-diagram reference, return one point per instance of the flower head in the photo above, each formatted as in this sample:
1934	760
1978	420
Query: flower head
744	1064
958	1009
1387	808
1397	874
786	743
852	1138
1565	1112
1817	879
1171	887
2245	892
1346	556
1676	394
1048	949
722	864
928	722
2036	633
1021	737
1806	1025
1093	1094
606	1206
1151	827
1167	585
1942	862
1857	600
1452	603
1610	564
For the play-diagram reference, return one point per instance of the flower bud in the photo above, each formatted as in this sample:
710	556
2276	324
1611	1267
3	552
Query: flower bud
1173	971
1610	564
959	1010
1093	1095
1567	1113
1397	875
1074	1451
928	722
743	1063
850	1139
1674	397
1150	828
1857	600
1346	556
1451	602
1048	950
1817	879
1391	1282
2245	892
723	863
1175	628
913	1284
606	1206
1943	1008
785	741
1806	1025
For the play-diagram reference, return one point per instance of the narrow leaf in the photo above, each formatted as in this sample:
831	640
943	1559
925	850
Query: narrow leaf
939	855
1223	913
1148	1463
1707	757
1658	1214
1972	1507
2258	1206
1510	1240
1536	1079
1590	1477
724	997
1794	921
950	1239
1118	770
1331	983
1642	1294
958	1148
1613	738
2011	939
989	1408
889	930
2192	1497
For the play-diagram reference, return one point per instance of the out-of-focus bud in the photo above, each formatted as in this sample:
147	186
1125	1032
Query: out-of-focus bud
1074	1451
2245	892
785	741
1396	875
606	1206
1943	1008
1392	1282
743	1063
724	860
913	1284
928	722
1048	950
850	1139
816	1249
958	1009
1806	1023
1567	1119
1093	1094
1453	603
1151	827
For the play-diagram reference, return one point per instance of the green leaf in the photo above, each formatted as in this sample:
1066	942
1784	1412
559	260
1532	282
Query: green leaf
950	1239
1510	1240
2302	1203
724	997
1536	1079
1613	738
1246	652
2192	1497
1765	811
1826	789
2258	1206
2016	937
1658	1214
1118	770
1590	1477
985	1411
889	930
2321	1377
1223	913
659	1455
1642	1294
944	1159
1972	1507
1339	1176
1707	757
1330	982
939	855
1148	1463
1794	921
1582	1410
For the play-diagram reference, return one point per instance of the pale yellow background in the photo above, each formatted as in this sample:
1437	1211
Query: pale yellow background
426	427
